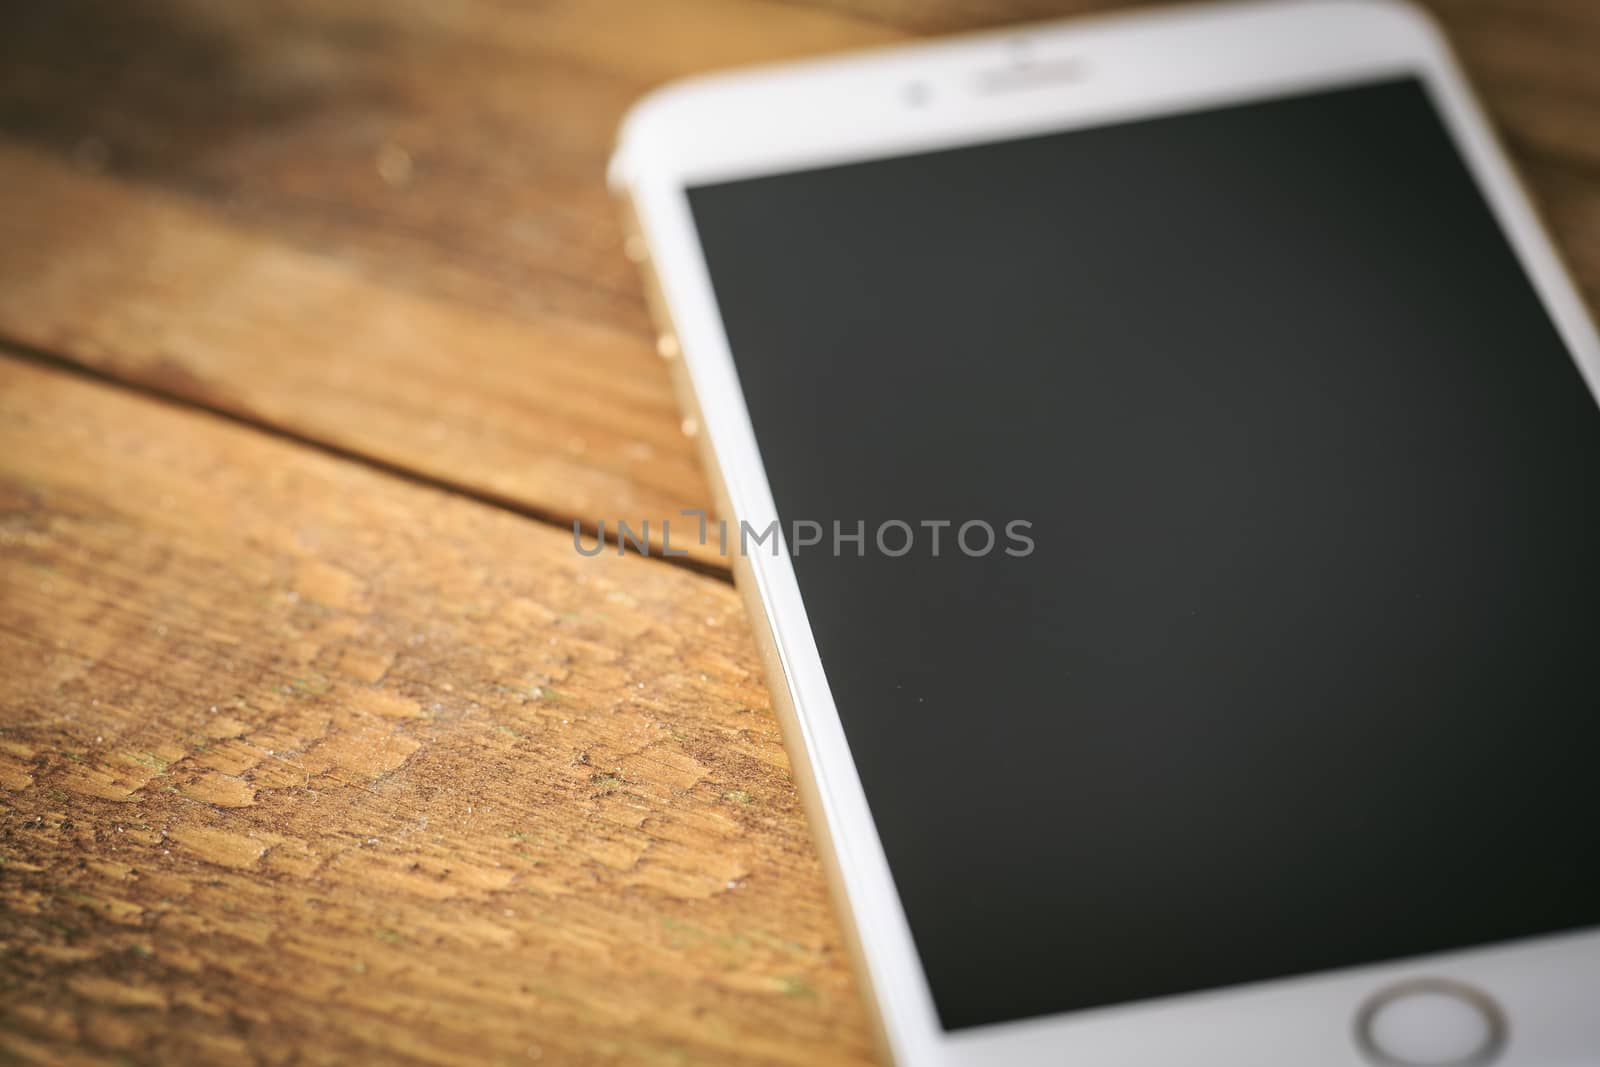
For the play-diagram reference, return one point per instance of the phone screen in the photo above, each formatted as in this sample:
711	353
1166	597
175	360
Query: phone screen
1283	651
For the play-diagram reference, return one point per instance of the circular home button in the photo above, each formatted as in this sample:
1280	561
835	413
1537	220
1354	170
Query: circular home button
1431	1022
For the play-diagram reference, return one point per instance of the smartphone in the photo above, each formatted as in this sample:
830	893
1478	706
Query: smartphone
1161	457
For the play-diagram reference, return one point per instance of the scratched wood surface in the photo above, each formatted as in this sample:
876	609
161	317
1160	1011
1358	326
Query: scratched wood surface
303	763
318	744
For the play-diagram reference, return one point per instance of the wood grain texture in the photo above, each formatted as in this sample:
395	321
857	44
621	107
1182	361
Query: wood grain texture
303	764
361	193
383	225
200	309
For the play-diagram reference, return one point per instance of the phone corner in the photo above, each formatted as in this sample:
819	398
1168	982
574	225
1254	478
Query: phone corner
654	119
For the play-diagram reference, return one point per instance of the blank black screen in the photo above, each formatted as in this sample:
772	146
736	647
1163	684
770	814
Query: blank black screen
1302	670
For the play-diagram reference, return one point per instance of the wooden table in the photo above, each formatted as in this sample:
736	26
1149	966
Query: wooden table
318	741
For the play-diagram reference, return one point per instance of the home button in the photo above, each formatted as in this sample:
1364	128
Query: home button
1431	1022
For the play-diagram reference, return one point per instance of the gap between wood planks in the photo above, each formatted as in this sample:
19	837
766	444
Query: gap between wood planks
10	348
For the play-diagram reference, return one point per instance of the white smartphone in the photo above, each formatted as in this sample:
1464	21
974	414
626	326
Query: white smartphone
1165	475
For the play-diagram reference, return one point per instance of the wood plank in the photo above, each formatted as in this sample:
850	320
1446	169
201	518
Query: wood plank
146	287
303	763
382	225
423	194
454	150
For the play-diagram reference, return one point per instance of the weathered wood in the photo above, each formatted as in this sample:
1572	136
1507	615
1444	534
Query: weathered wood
156	291
360	194
383	226
299	758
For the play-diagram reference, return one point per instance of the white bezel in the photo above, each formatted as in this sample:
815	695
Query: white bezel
803	115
